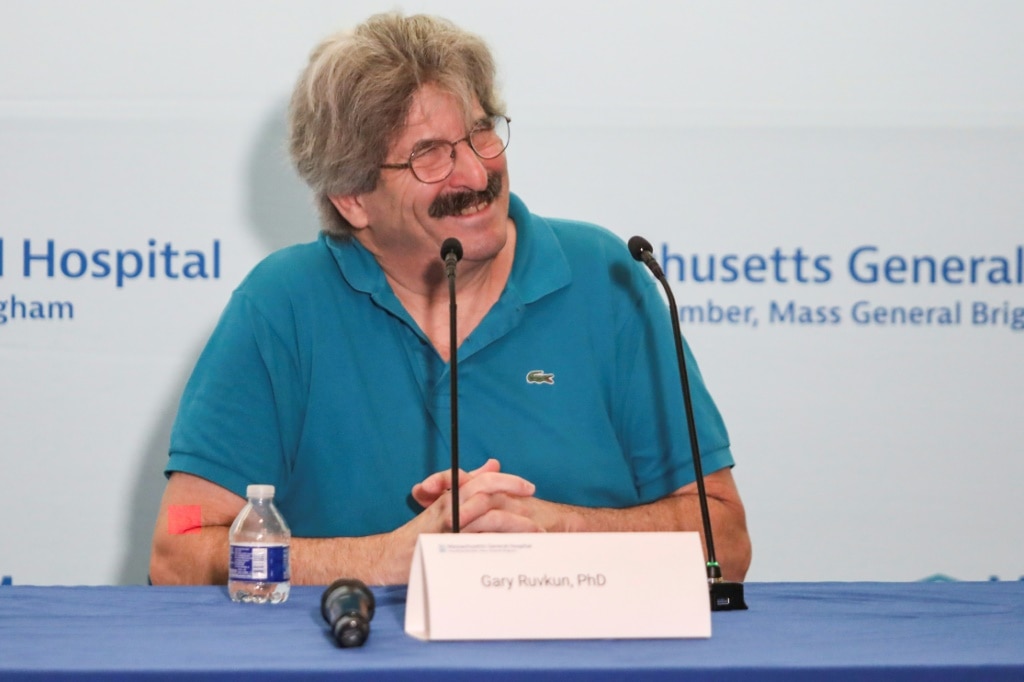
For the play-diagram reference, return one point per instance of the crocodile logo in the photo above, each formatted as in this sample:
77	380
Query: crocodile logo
539	376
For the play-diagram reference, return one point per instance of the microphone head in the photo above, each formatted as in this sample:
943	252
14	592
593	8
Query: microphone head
348	605
451	246
637	246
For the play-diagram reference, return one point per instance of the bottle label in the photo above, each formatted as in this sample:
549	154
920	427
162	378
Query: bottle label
259	563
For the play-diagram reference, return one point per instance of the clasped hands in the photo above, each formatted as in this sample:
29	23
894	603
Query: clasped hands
489	501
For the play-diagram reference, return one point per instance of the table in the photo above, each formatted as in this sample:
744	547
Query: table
793	631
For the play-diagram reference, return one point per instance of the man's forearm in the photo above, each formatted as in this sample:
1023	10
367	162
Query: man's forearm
199	555
202	559
680	512
374	559
195	558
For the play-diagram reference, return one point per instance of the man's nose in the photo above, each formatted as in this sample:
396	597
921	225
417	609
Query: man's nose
469	168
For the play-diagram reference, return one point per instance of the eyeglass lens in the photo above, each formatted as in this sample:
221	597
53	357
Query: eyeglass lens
488	140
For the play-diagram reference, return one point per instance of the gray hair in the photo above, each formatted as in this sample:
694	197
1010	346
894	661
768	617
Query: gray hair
354	96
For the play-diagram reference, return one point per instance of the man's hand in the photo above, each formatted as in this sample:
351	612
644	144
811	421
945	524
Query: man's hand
489	501
434	486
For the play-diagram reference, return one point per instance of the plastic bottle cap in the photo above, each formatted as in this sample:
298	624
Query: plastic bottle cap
258	491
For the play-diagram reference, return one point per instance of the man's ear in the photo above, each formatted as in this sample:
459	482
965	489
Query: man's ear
351	208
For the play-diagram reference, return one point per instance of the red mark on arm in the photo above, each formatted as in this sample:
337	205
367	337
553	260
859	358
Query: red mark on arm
184	519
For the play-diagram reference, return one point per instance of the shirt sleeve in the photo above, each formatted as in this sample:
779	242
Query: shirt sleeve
240	412
656	436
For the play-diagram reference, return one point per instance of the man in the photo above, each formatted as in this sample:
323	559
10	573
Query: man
327	375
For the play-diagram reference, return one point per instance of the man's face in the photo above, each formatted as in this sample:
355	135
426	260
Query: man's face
404	221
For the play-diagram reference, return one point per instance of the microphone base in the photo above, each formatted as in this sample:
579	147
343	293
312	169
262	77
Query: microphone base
727	596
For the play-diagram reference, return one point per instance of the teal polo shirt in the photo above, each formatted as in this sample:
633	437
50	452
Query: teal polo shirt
317	380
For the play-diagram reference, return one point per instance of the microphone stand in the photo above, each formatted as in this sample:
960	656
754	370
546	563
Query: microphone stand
725	596
451	253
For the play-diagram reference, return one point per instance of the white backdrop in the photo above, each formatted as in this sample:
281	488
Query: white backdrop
725	130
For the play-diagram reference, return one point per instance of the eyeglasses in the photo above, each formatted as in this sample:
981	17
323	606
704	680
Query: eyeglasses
434	160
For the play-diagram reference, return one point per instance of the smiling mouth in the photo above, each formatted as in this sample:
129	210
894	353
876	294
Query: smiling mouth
469	210
467	203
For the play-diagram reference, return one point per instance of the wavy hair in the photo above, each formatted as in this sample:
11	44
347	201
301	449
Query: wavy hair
353	97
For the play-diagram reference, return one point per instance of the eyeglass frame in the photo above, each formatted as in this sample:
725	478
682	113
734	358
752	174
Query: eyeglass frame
469	143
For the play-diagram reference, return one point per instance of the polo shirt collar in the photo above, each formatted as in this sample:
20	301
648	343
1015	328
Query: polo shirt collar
539	268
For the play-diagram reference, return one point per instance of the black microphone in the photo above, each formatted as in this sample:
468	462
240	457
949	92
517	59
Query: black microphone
725	596
451	253
347	605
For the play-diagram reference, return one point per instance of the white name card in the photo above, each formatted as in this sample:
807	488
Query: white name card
488	586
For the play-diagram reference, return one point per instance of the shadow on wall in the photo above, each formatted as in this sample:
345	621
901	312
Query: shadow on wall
280	212
281	209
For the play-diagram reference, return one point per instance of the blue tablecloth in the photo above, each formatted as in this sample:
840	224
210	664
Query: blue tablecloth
793	631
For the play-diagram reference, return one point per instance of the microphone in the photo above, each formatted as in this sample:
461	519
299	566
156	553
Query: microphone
725	596
347	605
451	253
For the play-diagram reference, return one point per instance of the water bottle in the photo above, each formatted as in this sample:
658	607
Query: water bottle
259	538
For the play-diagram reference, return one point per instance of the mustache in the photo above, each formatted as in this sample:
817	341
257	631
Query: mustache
456	202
